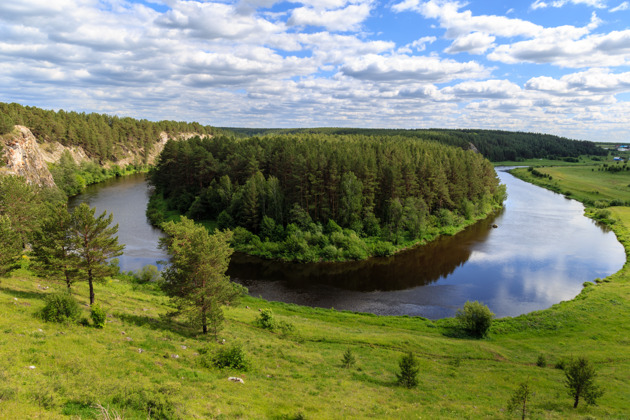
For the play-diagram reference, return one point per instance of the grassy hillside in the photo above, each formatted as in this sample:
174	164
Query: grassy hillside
142	364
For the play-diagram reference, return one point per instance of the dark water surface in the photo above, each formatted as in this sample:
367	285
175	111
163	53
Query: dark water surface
541	253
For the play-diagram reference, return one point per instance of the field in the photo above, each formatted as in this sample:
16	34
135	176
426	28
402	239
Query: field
584	183
144	365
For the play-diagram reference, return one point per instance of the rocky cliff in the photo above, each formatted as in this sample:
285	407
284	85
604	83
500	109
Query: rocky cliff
23	155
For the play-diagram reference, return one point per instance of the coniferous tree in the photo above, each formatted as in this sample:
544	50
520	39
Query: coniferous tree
195	278
55	247
409	369
95	242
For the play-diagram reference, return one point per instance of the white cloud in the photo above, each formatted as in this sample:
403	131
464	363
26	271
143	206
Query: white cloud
473	43
623	6
345	19
540	4
398	68
567	48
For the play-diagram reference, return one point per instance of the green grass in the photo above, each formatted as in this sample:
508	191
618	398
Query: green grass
77	367
583	160
584	183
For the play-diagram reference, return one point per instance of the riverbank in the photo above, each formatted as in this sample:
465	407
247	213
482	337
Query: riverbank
317	243
142	361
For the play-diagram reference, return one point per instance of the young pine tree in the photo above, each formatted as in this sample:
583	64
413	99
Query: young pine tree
95	242
409	369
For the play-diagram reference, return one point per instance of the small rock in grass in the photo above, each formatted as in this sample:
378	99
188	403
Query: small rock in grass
184	347
175	356
140	350
235	379
128	338
31	367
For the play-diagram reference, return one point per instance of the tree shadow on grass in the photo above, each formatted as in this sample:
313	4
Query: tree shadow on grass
23	294
158	324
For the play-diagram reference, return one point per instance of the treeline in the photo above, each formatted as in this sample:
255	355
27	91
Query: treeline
337	188
496	145
102	136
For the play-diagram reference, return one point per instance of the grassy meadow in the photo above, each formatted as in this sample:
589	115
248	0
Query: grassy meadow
145	365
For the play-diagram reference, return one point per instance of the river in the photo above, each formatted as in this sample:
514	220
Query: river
542	252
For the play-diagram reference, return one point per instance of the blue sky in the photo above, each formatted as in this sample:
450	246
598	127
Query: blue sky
556	66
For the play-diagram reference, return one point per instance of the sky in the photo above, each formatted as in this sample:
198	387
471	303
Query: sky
548	66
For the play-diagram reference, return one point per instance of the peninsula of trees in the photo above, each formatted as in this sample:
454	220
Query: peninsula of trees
311	197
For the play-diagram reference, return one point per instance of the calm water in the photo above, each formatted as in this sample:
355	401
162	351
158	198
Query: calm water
541	253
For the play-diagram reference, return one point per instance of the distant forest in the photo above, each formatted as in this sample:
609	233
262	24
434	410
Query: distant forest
496	145
102	136
105	137
317	192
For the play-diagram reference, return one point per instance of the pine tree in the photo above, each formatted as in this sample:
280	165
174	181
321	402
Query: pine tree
196	278
409	369
95	243
54	247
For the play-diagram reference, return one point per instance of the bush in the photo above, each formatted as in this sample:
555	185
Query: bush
266	320
98	315
408	376
147	274
60	307
541	361
475	318
230	357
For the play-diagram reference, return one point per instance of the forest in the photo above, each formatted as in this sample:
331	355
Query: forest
102	136
496	145
317	197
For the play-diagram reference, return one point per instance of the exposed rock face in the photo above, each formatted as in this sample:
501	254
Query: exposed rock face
24	158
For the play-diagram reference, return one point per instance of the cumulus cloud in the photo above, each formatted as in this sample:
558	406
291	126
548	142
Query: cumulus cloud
473	43
623	6
397	68
344	19
541	4
312	63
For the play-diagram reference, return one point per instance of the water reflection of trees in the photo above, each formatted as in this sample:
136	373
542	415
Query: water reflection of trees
415	267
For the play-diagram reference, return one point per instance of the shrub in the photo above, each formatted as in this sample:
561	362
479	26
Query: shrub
266	320
230	357
475	318
60	307
147	274
98	315
541	361
408	375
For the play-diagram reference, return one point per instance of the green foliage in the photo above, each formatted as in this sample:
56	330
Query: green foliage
232	357
580	381
349	359
304	193
60	307
541	361
98	315
518	400
54	247
196	279
147	274
475	318
266	320
409	369
6	124
100	135
95	242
